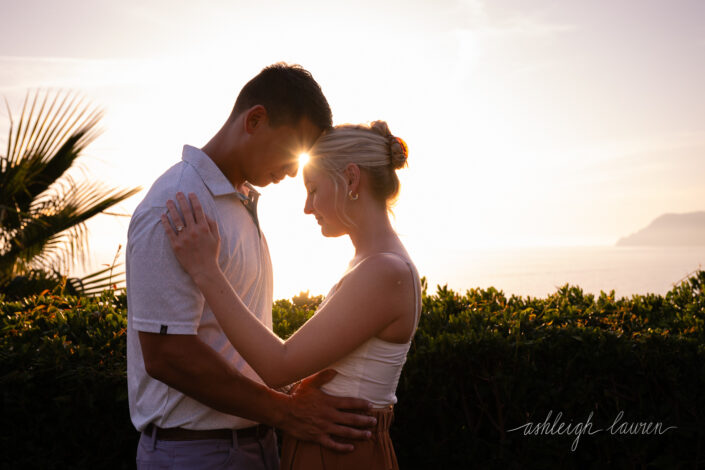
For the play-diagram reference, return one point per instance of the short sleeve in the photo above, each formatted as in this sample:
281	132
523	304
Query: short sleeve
161	296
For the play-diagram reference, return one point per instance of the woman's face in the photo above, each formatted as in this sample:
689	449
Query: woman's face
320	201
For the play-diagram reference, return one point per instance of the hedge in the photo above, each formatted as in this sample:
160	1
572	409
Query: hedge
481	364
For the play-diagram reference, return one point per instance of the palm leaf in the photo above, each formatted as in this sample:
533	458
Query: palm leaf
42	210
42	150
56	235
97	282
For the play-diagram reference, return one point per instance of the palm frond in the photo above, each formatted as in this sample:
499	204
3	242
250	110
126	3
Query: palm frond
99	281
57	235
42	210
44	146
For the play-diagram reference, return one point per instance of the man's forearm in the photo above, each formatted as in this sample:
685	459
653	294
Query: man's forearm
187	364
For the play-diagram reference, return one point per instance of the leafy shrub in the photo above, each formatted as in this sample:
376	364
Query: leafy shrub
64	391
37	281
289	315
480	365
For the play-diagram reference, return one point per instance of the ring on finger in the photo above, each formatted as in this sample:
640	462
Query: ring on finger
179	228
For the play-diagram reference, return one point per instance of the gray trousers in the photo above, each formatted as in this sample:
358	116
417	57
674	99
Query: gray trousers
212	454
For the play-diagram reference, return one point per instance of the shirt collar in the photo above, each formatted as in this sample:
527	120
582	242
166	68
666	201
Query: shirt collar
212	177
252	193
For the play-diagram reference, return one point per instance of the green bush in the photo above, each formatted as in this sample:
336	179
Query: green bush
480	365
63	383
289	315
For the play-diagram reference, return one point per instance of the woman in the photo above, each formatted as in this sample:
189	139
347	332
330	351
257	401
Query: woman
364	326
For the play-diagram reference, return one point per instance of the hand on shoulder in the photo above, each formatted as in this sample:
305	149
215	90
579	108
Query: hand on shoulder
194	237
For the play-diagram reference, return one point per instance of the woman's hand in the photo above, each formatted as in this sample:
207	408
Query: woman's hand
195	239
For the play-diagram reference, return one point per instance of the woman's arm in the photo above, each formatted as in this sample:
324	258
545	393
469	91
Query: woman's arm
372	296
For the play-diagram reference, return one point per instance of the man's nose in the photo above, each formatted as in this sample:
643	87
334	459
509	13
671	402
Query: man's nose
292	169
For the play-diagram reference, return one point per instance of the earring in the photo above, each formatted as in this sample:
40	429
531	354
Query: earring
351	197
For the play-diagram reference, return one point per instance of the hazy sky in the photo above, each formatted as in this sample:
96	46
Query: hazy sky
560	122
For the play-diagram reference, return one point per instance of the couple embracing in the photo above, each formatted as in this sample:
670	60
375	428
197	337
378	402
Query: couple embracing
208	380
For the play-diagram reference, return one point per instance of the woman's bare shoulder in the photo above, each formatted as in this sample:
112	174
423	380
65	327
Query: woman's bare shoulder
382	271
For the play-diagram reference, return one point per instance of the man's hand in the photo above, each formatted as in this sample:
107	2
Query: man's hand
187	364
316	416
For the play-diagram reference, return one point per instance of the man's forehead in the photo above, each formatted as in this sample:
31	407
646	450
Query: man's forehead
298	139
308	132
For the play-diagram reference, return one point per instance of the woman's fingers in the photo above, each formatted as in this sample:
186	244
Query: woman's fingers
185	209
198	214
174	215
193	210
193	214
213	225
170	234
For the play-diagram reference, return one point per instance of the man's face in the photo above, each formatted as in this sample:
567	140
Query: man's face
276	150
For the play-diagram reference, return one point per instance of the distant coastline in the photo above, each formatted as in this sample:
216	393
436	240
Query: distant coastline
670	230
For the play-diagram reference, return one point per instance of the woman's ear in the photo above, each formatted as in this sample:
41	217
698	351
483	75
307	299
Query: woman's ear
255	118
352	177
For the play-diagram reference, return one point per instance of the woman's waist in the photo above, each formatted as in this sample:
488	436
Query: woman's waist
380	393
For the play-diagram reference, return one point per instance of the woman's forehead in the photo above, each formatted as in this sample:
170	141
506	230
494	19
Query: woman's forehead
310	173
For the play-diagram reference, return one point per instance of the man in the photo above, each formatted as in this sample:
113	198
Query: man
194	399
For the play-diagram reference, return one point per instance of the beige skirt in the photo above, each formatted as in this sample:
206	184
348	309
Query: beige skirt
374	454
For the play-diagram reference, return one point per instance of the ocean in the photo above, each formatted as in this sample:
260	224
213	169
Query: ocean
537	272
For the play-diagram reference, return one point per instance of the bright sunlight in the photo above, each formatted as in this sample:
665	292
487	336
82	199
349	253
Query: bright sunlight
303	159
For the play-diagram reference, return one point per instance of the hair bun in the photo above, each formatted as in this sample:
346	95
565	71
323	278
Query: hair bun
398	150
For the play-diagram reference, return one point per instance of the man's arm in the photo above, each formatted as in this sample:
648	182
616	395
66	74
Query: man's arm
347	320
189	365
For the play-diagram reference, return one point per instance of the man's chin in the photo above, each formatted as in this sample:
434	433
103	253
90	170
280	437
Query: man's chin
261	183
267	180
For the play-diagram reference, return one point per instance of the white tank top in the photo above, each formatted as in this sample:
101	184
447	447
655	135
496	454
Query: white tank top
372	370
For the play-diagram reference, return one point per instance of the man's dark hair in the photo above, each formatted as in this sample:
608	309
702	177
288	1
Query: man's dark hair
288	93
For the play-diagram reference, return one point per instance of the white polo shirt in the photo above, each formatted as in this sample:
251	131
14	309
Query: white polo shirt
162	298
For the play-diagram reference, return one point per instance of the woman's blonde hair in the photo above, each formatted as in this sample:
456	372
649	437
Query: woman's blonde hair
372	147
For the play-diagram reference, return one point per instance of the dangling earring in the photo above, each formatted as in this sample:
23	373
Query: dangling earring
351	197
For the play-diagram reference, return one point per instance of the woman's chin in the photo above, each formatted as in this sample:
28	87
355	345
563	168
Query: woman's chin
328	233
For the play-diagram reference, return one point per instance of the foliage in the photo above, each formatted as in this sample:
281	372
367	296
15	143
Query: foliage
42	209
62	376
36	281
480	365
289	315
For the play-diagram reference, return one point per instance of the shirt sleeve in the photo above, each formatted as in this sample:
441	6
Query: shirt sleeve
161	296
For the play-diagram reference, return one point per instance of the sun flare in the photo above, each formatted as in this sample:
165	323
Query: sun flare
303	159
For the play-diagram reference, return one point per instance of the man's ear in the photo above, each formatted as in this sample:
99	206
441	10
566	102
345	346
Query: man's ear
255	118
